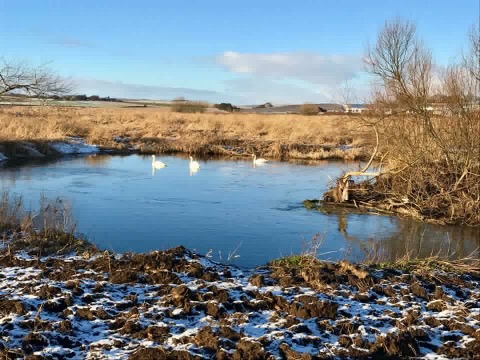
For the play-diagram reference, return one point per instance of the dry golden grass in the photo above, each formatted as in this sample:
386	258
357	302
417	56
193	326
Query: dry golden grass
156	129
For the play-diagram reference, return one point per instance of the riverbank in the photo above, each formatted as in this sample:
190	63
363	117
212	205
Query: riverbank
28	150
373	197
150	130
176	304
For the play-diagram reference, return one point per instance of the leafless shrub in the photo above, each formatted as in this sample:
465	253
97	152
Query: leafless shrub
471	59
309	109
427	129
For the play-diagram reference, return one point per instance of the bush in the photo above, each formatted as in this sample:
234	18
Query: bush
190	107
309	109
226	107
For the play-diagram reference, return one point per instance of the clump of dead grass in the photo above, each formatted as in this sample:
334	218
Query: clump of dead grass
445	257
190	107
50	230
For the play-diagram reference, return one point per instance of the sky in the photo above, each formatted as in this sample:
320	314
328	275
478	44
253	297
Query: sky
245	52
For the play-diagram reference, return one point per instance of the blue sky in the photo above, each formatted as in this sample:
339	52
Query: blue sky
242	51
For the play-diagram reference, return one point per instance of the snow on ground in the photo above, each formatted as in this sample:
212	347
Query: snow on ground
74	145
183	305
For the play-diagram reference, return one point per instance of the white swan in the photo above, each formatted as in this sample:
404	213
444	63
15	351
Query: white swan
157	164
194	164
258	161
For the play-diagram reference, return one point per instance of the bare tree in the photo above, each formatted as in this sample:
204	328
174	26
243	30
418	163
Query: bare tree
403	66
41	81
430	151
471	60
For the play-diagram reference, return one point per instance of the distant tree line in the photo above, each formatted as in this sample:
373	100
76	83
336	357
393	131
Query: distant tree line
83	98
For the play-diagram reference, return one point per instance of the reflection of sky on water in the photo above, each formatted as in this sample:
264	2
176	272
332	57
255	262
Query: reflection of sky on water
226	205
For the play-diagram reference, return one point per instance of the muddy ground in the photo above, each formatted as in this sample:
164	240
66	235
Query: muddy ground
177	305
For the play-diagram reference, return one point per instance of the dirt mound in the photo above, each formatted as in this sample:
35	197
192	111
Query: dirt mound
186	307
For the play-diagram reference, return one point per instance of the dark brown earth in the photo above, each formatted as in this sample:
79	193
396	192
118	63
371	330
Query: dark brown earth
176	305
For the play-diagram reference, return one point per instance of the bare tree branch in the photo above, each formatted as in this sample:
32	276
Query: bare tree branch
20	78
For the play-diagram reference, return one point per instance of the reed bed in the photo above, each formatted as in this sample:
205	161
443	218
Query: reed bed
50	230
153	129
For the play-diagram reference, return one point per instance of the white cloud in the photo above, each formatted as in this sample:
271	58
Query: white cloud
71	42
309	67
262	89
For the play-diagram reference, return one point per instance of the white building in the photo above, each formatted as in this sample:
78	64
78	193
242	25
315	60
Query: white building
354	108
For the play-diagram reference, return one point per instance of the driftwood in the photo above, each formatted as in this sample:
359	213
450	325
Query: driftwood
343	184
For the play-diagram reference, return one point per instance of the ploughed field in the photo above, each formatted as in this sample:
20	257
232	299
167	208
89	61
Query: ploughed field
174	304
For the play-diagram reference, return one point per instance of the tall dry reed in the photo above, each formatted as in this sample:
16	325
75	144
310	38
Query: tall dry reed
189	131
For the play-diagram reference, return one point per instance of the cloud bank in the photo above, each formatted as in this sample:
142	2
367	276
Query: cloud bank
294	77
309	67
260	90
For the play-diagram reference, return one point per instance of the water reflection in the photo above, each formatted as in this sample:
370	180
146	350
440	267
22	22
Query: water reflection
414	239
194	171
97	160
154	170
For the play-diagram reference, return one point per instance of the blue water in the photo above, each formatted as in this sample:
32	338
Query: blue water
234	211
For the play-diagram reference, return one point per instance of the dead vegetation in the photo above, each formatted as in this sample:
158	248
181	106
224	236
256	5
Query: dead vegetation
152	130
309	267
309	109
50	230
427	128
189	107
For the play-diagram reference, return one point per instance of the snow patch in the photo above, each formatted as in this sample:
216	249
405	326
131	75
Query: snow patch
74	146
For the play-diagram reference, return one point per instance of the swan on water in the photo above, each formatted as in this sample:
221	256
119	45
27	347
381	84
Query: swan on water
157	164
194	164
258	161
